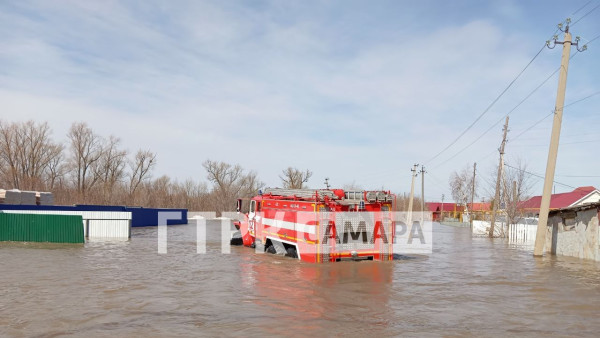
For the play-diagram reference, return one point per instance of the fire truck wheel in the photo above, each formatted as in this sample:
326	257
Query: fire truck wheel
236	241
271	249
291	252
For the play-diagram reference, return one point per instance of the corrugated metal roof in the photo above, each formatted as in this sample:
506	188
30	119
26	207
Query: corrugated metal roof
558	201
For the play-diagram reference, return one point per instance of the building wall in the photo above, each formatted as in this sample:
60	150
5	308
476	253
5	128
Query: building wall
574	234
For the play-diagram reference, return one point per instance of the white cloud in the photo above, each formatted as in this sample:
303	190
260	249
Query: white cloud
270	87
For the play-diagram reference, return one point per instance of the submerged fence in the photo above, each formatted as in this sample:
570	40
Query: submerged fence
41	228
522	233
94	224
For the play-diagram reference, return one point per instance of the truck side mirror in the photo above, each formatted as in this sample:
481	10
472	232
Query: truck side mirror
238	207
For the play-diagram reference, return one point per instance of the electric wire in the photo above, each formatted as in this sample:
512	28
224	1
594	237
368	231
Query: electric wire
524	131
593	39
582	7
500	120
533	126
562	143
537	175
552	113
488	107
586	14
521	102
512	110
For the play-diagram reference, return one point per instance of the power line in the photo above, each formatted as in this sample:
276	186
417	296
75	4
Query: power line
488	107
520	134
533	125
579	176
537	175
594	39
586	14
526	130
582	7
552	113
500	120
563	143
562	136
585	98
509	85
579	142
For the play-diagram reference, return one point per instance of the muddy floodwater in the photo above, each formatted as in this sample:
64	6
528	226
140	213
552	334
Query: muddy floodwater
467	286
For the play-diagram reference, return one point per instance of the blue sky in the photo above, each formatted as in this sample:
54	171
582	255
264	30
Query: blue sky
356	91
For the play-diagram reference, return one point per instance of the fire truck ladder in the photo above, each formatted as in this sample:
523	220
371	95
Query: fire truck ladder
300	193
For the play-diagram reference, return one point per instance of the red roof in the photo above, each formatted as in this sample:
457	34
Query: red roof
558	201
435	206
480	206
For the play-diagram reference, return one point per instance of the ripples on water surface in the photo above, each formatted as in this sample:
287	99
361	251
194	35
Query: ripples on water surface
466	287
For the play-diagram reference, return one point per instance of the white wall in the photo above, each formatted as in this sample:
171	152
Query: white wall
591	198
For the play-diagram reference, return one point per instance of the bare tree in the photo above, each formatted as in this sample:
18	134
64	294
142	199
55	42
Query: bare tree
111	166
230	182
56	170
86	151
9	154
26	151
517	186
294	178
141	167
250	184
352	186
98	170
461	185
162	192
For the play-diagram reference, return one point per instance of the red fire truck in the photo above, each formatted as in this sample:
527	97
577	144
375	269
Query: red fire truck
323	225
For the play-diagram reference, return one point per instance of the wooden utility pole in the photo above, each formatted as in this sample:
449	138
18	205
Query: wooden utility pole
540	238
442	211
473	194
422	192
500	170
412	193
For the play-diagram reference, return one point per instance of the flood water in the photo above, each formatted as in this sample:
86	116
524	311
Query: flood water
467	286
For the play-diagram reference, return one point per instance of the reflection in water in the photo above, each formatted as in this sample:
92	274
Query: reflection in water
468	286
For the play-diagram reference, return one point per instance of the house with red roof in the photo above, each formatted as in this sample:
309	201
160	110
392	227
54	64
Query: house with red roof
454	210
450	210
577	197
480	207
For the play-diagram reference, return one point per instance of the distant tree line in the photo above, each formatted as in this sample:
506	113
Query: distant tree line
91	169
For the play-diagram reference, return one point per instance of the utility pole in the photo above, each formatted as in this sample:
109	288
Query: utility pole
422	192
473	194
540	238
442	211
412	193
500	170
